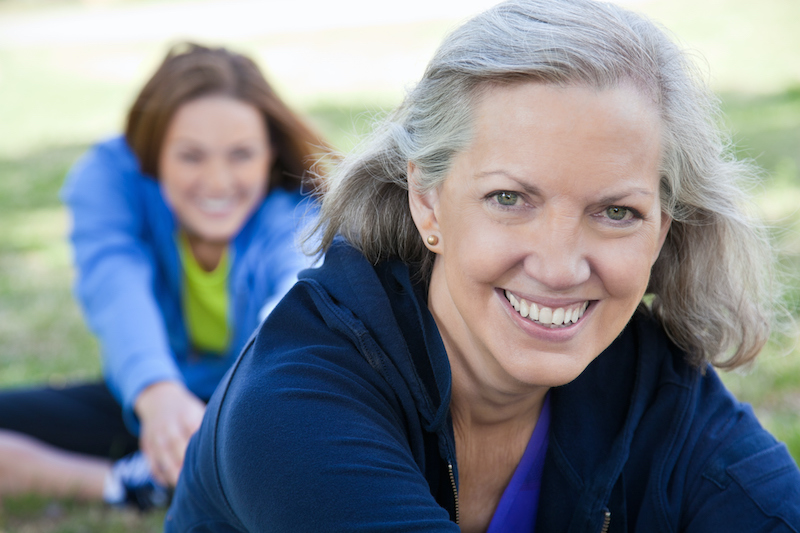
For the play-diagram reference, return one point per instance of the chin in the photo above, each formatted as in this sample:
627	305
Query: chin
550	369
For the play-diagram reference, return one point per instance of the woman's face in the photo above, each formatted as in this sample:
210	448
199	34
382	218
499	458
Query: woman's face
213	166
548	226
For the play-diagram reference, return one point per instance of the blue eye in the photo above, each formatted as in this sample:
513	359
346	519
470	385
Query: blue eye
616	212
506	198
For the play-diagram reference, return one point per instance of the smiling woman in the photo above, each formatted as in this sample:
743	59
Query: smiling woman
475	353
184	236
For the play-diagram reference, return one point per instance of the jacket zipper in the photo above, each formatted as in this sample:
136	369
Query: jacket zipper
455	489
606	521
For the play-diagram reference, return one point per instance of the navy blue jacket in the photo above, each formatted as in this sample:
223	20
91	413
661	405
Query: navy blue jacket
336	418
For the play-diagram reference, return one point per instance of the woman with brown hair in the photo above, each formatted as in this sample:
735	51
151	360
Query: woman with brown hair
184	237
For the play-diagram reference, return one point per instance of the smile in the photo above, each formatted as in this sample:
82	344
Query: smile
215	206
547	316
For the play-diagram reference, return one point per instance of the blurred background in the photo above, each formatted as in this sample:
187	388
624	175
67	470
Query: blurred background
70	69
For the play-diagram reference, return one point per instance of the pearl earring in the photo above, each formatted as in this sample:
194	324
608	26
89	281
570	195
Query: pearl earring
433	240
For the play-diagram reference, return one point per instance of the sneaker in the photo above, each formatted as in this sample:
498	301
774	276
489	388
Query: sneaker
131	482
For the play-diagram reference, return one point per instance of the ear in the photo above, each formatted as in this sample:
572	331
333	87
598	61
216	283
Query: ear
666	222
424	205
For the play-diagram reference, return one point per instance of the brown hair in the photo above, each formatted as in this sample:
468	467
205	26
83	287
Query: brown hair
191	71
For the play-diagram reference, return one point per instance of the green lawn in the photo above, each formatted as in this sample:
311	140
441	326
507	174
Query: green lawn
58	99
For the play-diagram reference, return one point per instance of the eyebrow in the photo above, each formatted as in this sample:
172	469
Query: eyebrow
197	143
527	187
534	190
638	191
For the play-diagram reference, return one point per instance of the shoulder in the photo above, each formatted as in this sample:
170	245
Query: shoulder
733	474
295	398
283	207
733	463
112	153
279	219
306	350
106	166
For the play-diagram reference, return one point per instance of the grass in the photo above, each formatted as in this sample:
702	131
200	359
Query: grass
34	515
61	99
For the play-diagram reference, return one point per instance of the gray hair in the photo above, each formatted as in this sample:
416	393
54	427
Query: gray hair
711	284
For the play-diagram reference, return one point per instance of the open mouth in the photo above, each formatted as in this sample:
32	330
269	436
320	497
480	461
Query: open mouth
559	317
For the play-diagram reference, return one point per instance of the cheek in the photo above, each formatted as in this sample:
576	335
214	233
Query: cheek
254	176
480	252
625	270
173	190
176	177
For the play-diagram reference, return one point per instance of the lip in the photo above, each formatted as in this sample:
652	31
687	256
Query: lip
540	331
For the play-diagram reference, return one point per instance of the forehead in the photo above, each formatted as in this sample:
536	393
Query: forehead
539	131
554	109
215	114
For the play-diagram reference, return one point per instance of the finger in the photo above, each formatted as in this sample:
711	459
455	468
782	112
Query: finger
170	459
153	464
159	476
159	452
170	472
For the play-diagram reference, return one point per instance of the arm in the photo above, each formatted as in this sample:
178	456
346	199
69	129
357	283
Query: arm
115	272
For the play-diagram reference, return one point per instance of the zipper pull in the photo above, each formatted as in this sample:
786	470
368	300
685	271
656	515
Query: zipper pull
606	521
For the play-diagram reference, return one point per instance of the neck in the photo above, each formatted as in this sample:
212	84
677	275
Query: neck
478	406
207	254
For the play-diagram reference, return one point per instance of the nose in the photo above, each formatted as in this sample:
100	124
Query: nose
558	256
218	176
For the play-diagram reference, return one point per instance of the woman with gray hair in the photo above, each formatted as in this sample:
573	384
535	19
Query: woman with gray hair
530	271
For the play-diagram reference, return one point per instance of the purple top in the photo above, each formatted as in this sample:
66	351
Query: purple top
516	511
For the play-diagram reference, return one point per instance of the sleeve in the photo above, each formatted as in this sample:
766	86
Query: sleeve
115	271
304	439
747	481
288	257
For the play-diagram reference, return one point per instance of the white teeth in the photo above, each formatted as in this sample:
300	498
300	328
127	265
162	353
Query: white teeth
215	205
545	315
558	316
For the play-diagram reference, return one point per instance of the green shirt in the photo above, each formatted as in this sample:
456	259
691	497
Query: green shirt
205	301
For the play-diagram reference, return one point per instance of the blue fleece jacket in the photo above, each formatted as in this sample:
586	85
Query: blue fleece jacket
129	277
336	418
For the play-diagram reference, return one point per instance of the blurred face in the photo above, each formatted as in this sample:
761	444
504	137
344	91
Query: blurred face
548	226
213	166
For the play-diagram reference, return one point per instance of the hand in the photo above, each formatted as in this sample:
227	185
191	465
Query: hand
169	416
